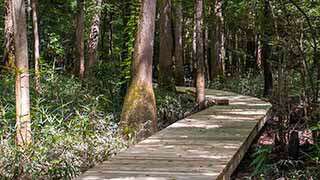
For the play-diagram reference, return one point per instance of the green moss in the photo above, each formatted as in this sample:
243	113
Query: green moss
138	118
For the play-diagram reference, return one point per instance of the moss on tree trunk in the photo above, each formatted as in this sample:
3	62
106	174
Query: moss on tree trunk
139	115
139	111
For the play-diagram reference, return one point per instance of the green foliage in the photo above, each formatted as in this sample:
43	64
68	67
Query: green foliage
261	159
56	29
104	80
172	106
250	84
71	129
54	47
130	22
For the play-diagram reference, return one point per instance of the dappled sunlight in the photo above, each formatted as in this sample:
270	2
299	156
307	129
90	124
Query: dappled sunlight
194	123
198	146
124	178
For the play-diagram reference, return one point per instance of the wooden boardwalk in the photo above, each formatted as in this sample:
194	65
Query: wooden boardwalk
207	145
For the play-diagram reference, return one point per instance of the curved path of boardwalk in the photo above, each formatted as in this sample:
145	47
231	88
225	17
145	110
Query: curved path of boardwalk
207	145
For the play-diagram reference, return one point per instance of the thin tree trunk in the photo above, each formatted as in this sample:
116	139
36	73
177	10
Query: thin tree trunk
34	5
206	53
139	115
258	52
80	69
179	69
266	49
23	121
194	50
166	80
217	41
8	58
110	33
94	35
200	84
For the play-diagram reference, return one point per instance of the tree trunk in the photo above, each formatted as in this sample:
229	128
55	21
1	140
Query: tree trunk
166	80
266	49
23	121
8	58
139	115
34	5
206	53
179	69
200	84
258	52
110	34
80	67
218	42
94	35
194	51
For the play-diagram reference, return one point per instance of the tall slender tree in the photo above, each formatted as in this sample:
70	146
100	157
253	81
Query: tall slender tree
266	49
8	58
166	80
200	79
139	116
178	50
218	41
94	35
23	119
80	66
36	43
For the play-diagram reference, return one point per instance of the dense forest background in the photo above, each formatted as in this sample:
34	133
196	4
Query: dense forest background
87	72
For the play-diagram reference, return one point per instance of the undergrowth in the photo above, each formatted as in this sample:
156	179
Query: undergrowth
71	128
74	123
250	84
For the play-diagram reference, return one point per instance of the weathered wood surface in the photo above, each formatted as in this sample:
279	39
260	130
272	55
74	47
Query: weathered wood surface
207	145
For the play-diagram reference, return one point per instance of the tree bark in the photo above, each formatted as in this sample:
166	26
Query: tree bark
34	5
266	49
110	35
221	38
258	52
179	68
80	67
8	58
94	35
166	80
194	50
218	42
23	119
206	53
139	115
200	84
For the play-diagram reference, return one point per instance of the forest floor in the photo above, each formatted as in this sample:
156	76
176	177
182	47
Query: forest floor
267	159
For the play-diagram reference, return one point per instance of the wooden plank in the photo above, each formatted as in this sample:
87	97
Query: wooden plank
207	145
